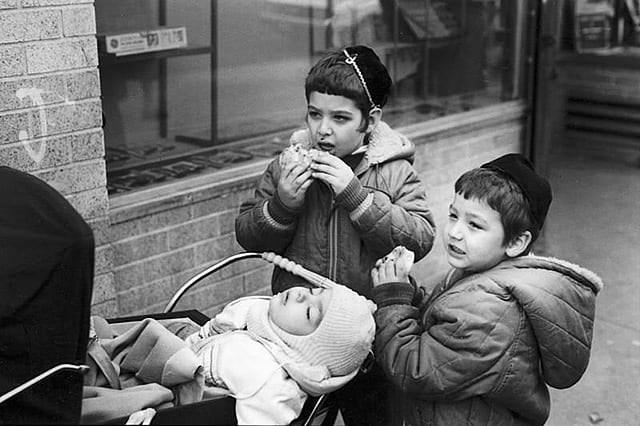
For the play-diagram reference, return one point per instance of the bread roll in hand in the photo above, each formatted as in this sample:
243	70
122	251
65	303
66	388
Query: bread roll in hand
401	257
297	154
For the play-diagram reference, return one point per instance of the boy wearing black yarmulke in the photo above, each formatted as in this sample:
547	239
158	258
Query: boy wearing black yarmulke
482	347
353	202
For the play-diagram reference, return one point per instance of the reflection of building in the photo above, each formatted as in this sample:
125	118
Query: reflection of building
188	130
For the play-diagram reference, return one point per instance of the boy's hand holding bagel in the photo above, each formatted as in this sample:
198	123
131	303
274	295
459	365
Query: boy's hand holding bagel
394	267
295	178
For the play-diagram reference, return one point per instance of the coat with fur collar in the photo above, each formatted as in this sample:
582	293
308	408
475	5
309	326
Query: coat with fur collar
482	348
341	237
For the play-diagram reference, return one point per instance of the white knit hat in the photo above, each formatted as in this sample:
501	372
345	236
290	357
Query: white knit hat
342	340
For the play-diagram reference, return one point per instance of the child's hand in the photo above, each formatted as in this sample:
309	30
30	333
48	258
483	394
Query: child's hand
332	171
293	184
142	417
394	267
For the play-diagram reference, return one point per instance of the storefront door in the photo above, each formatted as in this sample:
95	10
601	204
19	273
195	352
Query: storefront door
546	93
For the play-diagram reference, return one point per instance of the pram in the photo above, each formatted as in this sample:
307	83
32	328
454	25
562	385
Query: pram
318	410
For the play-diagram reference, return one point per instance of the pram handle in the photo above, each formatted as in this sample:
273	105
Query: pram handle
296	269
53	370
198	277
277	260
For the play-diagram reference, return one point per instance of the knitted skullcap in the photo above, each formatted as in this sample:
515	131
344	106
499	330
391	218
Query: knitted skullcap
342	340
373	71
534	187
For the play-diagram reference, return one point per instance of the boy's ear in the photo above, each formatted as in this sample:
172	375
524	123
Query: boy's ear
375	115
519	244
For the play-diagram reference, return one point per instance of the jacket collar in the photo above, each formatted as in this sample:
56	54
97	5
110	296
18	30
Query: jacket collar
563	267
387	144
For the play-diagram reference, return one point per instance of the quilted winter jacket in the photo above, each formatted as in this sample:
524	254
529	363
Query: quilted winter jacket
482	348
335	236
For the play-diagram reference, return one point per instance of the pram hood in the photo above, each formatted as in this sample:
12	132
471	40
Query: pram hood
46	276
40	236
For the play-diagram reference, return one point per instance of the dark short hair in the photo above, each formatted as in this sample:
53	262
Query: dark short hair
333	76
502	195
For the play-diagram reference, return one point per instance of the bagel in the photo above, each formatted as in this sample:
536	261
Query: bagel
297	154
401	256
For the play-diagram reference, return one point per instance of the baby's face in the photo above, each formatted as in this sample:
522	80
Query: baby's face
299	310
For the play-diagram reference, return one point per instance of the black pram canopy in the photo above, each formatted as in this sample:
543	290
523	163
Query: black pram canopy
46	282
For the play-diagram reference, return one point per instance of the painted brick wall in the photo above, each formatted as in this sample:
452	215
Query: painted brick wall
50	125
158	249
155	253
50	111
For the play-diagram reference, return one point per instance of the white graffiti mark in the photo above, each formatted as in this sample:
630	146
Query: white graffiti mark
35	95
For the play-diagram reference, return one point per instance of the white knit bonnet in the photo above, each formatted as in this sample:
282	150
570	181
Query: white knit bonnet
342	340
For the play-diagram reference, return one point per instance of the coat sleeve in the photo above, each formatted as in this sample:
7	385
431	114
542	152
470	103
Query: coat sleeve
451	354
396	213
257	227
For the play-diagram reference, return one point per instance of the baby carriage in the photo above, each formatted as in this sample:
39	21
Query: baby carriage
318	410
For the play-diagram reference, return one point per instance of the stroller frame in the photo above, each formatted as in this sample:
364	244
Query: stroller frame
315	406
317	410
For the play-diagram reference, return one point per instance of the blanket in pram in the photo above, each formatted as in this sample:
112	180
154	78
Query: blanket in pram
146	366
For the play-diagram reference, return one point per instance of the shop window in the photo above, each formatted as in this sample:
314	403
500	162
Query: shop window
628	22
602	26
191	87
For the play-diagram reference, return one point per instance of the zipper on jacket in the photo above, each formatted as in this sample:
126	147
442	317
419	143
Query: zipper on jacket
333	244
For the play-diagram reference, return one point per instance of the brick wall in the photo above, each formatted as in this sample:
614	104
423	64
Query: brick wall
157	249
50	125
159	245
50	112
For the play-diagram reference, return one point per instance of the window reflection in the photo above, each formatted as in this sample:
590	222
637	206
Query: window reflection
235	91
601	26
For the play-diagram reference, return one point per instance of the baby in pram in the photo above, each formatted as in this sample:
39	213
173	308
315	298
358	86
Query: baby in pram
271	352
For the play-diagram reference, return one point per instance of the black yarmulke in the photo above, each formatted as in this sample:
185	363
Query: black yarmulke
536	188
374	72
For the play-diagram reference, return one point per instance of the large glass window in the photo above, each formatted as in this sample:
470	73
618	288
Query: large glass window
190	87
602	26
627	17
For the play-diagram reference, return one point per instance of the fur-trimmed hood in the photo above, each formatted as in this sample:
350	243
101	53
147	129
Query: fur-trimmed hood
386	144
558	298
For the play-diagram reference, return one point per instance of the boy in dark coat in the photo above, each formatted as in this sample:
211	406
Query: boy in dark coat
46	280
482	347
359	197
356	200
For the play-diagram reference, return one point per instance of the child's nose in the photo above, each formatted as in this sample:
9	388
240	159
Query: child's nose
325	127
454	231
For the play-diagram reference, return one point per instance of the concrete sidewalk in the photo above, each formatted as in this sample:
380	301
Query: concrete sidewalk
594	221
